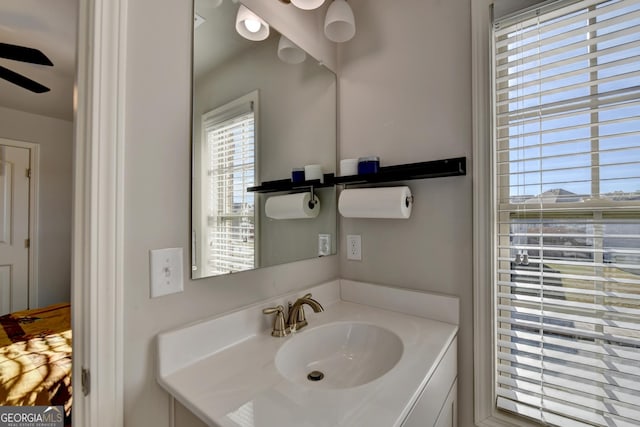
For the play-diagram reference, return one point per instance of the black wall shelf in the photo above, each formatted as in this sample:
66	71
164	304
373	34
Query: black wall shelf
456	166
433	169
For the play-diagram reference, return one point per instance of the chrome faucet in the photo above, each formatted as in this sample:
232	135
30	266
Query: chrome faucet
296	319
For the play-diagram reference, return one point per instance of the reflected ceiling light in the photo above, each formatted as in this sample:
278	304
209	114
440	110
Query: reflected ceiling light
289	52
251	26
307	4
339	24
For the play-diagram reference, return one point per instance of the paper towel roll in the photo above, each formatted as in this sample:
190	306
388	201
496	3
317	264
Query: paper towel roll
385	202
292	206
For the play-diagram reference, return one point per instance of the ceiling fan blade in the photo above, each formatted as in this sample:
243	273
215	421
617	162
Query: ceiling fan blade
23	54
22	81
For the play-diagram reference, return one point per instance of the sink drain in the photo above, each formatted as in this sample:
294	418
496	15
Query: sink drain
315	376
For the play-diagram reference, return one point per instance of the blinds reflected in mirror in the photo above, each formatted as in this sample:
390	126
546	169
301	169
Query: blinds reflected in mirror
230	209
567	217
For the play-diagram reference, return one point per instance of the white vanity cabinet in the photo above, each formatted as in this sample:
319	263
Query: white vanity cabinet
449	412
436	406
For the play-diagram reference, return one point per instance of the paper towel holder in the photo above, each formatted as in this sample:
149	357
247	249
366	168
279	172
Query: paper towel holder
312	199
409	201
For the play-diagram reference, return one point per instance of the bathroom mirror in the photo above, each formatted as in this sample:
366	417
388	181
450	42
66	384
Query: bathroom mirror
255	118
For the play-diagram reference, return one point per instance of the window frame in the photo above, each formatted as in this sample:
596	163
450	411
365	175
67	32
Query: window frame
485	411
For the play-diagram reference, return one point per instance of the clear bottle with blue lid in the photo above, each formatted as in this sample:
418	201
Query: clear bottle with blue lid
297	175
369	164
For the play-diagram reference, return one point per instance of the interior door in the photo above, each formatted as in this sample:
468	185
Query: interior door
14	229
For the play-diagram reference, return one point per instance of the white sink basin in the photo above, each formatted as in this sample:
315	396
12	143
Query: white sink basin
344	354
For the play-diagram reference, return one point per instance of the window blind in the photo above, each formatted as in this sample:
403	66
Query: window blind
230	208
567	213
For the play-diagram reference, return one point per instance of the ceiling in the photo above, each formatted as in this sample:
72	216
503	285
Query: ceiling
50	26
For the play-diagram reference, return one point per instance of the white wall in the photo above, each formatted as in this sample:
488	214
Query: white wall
55	138
405	95
157	158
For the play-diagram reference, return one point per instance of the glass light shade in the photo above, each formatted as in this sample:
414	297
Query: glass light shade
339	24
252	25
290	53
307	4
245	19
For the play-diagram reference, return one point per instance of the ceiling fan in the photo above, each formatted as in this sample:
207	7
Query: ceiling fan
23	54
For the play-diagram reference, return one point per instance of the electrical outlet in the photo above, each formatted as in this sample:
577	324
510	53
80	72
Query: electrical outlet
324	244
354	247
166	271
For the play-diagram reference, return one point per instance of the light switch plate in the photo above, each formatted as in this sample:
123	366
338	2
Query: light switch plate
166	271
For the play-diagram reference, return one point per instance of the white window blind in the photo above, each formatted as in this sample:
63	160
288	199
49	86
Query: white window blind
230	139
567	213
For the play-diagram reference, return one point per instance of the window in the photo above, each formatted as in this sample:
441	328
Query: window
229	159
566	176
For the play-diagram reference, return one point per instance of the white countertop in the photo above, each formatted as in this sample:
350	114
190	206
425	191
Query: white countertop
238	385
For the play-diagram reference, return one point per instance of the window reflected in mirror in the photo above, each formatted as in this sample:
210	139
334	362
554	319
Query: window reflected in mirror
227	168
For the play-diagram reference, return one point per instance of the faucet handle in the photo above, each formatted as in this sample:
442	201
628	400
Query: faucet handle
279	324
273	310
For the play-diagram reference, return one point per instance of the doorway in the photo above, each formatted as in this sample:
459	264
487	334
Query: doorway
35	327
15	173
97	254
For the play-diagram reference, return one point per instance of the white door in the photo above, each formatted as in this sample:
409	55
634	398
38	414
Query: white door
14	229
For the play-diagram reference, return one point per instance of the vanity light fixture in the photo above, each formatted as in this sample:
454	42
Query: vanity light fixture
339	24
290	53
307	4
251	26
